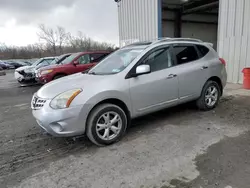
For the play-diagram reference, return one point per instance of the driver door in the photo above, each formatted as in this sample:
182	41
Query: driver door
158	89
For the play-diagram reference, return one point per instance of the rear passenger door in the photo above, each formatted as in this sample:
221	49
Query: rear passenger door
192	71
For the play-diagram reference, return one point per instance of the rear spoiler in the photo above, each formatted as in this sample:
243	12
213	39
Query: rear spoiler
210	44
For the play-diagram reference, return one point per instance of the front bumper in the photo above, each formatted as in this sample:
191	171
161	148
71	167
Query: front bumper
61	122
43	79
24	79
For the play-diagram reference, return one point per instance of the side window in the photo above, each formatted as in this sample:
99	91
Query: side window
159	59
185	54
95	58
203	50
84	59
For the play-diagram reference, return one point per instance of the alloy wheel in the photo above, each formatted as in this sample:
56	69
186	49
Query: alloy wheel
211	96
109	125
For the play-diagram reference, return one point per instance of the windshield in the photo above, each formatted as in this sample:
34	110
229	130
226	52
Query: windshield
55	61
70	58
117	61
37	62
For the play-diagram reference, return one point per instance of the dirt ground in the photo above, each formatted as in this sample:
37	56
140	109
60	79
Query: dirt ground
179	147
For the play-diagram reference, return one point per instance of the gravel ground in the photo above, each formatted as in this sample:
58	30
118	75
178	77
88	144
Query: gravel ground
179	147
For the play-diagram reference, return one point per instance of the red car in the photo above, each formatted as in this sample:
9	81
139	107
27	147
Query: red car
77	62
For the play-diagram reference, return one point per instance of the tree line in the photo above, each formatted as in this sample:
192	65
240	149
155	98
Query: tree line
53	42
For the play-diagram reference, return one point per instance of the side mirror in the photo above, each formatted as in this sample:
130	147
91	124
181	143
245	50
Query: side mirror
142	69
76	63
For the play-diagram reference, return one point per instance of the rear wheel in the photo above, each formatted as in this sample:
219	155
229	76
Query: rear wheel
106	124
210	96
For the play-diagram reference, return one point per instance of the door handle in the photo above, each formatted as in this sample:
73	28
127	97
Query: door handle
171	76
204	67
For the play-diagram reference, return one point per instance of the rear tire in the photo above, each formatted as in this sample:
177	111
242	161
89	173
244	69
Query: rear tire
106	124
210	96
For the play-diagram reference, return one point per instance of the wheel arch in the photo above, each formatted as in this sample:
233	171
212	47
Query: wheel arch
114	101
218	81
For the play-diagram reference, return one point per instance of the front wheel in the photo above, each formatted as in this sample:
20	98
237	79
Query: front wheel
106	124
210	96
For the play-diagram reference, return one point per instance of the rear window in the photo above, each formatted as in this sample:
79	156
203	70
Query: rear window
203	50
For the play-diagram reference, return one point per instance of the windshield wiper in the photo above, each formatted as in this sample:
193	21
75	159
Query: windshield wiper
93	73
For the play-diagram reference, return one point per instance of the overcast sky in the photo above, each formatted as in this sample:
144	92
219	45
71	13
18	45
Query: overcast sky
19	19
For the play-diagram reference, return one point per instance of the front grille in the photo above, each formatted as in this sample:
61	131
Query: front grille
37	103
21	72
26	75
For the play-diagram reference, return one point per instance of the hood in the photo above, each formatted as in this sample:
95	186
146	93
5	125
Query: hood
79	80
26	69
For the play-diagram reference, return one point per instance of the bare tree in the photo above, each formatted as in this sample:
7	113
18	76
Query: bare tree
55	42
53	38
62	37
48	35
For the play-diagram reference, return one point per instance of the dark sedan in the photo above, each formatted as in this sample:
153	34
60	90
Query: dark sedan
4	65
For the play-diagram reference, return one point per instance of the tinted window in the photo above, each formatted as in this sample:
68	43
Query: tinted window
203	50
97	57
84	59
185	54
159	59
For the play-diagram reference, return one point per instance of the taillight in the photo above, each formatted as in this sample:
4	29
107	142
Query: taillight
223	61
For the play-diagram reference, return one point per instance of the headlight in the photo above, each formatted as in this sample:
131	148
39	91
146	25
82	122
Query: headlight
46	71
64	100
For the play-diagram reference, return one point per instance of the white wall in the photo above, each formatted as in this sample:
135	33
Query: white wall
138	20
203	31
234	37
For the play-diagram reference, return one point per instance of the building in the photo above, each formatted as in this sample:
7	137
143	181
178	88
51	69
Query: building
225	23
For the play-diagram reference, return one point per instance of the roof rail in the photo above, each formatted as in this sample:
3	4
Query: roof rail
159	40
176	39
187	39
140	43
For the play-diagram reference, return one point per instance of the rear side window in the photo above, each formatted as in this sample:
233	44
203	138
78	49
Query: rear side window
185	54
203	50
97	57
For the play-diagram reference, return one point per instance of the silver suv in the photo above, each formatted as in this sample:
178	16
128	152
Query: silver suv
133	81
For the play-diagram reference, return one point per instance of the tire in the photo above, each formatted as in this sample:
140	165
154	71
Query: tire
58	76
97	116
203	102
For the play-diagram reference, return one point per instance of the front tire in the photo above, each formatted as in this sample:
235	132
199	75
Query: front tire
210	96
106	124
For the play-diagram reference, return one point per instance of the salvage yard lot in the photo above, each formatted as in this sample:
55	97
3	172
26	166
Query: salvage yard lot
180	146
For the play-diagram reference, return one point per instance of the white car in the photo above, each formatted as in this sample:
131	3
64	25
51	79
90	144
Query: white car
26	74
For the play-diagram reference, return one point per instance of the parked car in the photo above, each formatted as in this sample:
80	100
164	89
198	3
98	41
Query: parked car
56	62
5	65
16	64
2	65
26	74
77	62
133	81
